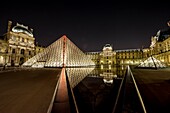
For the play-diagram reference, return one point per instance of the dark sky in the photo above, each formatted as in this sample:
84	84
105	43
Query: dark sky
90	25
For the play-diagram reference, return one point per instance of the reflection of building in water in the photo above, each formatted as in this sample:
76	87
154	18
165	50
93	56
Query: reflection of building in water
17	45
121	70
76	75
118	70
108	74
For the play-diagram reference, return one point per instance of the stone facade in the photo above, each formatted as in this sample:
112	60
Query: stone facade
160	46
113	57
17	45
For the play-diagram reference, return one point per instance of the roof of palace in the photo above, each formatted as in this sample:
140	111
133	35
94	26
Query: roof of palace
163	35
107	47
22	29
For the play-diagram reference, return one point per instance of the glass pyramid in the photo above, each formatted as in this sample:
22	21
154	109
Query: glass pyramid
152	62
61	53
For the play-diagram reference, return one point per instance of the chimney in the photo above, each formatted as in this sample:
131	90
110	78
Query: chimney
9	26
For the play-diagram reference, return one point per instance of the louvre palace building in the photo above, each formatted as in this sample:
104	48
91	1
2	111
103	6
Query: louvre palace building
159	49
18	45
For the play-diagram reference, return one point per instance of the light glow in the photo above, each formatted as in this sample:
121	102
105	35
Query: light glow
1	59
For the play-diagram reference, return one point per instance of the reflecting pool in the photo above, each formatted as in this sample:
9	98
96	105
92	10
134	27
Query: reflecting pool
96	89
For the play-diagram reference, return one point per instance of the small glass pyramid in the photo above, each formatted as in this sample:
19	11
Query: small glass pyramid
152	62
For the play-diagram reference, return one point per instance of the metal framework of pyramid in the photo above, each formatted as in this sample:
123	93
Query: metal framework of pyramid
152	62
61	53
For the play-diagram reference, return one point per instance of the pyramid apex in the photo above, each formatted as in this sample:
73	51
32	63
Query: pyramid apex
64	36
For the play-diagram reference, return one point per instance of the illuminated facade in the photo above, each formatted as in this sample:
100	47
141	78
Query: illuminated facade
17	45
111	57
131	56
107	56
160	46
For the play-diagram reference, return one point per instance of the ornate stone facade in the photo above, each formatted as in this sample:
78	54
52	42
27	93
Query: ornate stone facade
111	57
17	45
160	46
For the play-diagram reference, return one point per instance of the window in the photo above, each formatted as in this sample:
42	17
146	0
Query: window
22	51
22	39
13	50
29	52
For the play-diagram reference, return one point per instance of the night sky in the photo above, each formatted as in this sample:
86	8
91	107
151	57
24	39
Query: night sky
90	25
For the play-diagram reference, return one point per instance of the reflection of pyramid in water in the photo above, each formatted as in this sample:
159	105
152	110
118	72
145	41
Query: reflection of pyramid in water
151	62
76	75
61	53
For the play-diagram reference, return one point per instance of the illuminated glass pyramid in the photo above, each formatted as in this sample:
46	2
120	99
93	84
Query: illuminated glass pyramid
61	53
152	62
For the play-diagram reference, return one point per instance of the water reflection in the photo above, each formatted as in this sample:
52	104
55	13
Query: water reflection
95	89
76	75
107	72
